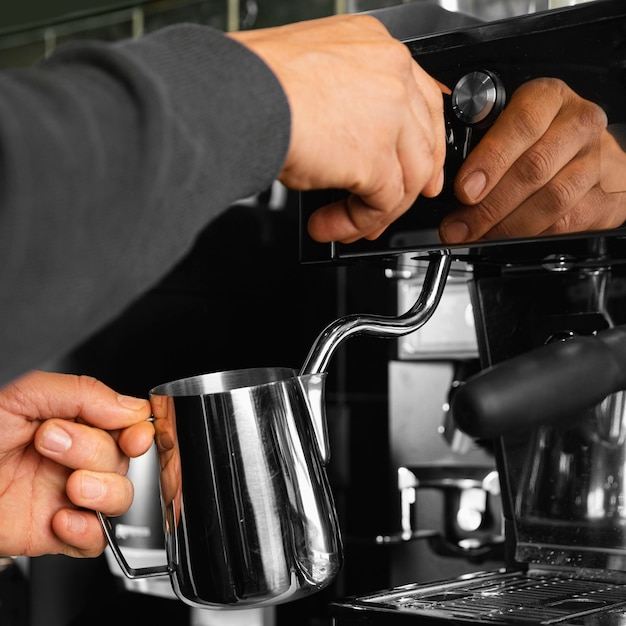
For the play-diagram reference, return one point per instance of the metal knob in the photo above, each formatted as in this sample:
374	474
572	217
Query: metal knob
478	97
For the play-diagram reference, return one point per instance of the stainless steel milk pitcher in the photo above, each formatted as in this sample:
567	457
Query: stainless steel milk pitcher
248	513
249	518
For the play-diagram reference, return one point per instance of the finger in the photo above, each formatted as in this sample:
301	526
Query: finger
558	202
539	188
563	205
401	166
136	439
416	167
519	199
518	127
80	531
443	88
45	395
77	445
597	211
350	219
555	149
334	222
432	121
109	493
504	214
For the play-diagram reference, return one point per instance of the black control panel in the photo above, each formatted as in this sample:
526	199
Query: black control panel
483	65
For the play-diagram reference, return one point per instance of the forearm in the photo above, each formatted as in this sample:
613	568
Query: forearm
113	159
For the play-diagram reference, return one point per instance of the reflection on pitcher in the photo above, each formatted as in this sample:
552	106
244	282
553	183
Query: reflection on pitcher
169	458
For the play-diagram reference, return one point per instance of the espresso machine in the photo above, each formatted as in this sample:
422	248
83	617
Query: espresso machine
552	345
549	315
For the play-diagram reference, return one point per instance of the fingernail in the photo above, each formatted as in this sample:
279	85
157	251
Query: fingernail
91	487
129	402
76	522
475	184
55	439
455	232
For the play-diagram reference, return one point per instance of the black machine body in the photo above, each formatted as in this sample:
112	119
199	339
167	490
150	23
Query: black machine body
483	64
565	559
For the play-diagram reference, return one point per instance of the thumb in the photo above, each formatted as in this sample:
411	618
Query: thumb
44	395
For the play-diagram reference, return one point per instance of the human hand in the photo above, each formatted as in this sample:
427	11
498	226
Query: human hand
365	118
64	448
547	166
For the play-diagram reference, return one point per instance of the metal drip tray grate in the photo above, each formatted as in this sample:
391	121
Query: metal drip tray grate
537	597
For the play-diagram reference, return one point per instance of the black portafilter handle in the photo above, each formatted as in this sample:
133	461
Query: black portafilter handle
555	382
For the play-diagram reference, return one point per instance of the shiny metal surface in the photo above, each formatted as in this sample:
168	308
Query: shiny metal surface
249	515
473	525
380	326
503	598
474	97
500	9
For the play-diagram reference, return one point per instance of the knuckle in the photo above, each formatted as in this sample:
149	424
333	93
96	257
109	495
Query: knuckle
582	216
496	159
561	197
589	114
14	397
545	87
87	385
489	213
592	116
526	121
401	53
87	393
117	495
564	224
99	451
502	231
398	58
548	84
536	165
362	20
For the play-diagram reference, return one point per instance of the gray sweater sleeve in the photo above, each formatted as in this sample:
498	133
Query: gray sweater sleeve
112	158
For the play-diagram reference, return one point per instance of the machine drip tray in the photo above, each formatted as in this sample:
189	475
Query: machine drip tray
535	596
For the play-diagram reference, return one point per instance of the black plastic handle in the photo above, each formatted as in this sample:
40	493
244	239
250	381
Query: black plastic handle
548	384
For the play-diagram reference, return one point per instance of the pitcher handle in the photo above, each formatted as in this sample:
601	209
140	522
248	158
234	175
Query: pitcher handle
330	338
130	572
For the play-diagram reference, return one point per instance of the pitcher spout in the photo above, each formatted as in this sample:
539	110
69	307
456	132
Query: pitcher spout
313	386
